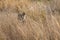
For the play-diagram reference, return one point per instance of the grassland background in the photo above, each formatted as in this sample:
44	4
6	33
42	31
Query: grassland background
42	20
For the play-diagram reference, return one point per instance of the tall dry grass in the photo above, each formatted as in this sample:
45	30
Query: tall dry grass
40	22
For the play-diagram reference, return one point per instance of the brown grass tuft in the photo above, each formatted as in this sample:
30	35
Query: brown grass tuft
40	22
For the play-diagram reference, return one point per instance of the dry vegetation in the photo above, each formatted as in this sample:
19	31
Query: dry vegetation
41	20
